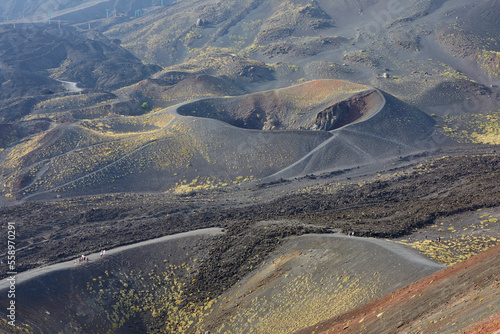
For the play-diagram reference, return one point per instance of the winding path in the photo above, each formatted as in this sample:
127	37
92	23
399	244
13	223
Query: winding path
30	274
405	252
71	86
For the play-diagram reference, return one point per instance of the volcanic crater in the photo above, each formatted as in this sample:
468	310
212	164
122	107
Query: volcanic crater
318	105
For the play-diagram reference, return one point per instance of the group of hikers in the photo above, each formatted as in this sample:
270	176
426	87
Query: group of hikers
81	260
84	259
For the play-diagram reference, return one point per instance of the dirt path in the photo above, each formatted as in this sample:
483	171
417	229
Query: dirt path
405	252
25	276
312	277
71	86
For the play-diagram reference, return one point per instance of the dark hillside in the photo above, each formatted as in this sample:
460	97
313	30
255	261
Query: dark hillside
127	120
65	54
21	83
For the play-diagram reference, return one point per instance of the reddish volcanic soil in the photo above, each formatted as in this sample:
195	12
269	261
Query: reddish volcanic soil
489	325
464	298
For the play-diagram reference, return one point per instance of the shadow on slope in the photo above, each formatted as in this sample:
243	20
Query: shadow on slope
63	53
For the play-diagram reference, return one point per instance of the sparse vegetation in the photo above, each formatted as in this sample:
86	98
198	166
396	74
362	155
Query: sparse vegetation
490	62
294	311
450	251
159	294
477	128
199	143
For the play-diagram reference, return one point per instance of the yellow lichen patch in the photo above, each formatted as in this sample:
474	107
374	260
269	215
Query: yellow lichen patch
6	327
128	126
490	131
205	183
159	294
20	150
490	62
455	250
288	309
474	128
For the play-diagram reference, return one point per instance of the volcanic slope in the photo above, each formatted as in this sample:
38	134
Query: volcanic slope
324	274
314	277
432	52
119	292
74	11
34	61
461	299
64	53
166	151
